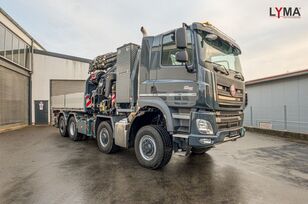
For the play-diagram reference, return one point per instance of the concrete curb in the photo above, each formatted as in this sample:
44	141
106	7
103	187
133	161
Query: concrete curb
280	133
7	128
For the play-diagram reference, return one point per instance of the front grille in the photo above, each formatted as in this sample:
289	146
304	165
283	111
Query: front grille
225	99
225	120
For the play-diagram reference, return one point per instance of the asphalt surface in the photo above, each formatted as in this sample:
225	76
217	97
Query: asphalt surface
37	165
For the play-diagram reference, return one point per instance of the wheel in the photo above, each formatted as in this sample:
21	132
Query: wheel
104	138
62	126
200	150
72	129
153	146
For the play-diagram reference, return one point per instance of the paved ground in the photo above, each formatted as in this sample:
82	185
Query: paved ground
37	165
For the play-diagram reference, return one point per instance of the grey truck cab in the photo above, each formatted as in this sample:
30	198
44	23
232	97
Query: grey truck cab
193	75
181	91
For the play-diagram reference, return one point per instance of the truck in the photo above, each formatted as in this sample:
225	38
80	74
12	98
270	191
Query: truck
181	92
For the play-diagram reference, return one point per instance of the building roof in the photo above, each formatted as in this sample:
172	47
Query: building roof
69	57
277	77
44	51
19	27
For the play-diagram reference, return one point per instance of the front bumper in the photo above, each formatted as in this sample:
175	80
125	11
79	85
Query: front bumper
195	140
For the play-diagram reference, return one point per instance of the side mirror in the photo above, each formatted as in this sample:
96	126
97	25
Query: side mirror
180	38
181	56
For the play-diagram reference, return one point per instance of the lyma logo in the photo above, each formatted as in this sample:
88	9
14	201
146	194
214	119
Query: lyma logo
285	12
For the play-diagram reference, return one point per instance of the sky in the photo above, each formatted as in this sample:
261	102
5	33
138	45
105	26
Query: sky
87	28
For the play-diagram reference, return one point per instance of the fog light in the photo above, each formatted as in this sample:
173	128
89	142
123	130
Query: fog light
204	127
205	141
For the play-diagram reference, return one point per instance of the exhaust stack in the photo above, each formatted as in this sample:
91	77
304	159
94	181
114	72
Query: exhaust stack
143	31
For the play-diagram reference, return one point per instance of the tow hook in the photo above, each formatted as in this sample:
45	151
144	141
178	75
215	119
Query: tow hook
184	152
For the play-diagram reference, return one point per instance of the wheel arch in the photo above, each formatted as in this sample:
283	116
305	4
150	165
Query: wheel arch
98	120
160	105
145	116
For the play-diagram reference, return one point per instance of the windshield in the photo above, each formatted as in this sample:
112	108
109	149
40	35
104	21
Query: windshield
218	51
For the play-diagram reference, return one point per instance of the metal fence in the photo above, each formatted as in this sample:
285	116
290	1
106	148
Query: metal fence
281	117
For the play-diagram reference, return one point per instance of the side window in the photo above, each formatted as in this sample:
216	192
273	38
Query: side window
2	40
8	45
169	50
189	47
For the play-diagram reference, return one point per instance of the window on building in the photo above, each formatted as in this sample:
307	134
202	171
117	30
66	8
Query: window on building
2	38
22	53
8	45
169	50
15	49
27	56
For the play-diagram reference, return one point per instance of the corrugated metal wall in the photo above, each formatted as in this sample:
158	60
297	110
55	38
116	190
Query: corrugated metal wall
280	104
14	97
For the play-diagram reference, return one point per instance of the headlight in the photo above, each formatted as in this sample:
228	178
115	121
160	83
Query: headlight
204	127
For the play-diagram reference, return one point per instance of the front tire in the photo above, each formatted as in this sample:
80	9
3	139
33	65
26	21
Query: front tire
153	147
104	138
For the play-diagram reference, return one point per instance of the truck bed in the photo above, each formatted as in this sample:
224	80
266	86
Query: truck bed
74	101
68	110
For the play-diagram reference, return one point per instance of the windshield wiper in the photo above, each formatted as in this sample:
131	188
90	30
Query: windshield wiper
218	67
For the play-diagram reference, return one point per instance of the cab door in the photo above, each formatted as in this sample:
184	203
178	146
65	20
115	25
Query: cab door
174	83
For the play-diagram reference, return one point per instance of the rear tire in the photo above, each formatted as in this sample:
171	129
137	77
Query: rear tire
199	151
104	138
62	127
72	129
153	147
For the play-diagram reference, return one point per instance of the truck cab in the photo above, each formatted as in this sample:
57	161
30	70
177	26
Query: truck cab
202	96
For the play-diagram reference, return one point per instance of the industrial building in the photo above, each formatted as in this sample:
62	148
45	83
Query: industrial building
30	75
279	102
